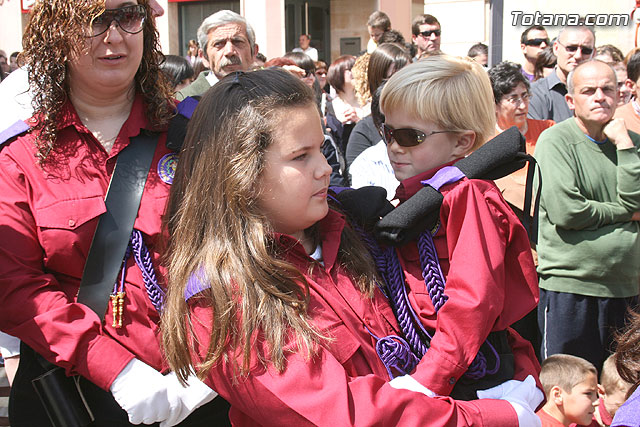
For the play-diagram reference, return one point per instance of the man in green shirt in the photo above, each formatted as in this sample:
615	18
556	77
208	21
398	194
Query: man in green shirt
588	240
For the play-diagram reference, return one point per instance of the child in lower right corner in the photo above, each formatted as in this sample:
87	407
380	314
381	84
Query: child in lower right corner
571	386
612	391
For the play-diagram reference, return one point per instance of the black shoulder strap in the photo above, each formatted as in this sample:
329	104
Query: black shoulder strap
529	220
114	226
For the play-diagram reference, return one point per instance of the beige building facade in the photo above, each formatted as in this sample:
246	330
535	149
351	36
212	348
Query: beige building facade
339	26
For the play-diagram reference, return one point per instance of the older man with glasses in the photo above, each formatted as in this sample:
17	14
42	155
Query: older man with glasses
532	41
573	46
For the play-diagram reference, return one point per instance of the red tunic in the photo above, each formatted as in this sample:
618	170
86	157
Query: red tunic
47	223
491	281
548	420
346	384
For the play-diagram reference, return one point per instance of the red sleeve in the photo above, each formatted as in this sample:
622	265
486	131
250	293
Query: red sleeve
490	280
321	392
36	307
525	360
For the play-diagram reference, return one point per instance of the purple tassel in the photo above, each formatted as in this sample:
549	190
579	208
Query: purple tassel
143	260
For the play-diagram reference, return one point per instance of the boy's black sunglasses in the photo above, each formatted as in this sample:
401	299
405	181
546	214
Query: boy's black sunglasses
129	18
406	137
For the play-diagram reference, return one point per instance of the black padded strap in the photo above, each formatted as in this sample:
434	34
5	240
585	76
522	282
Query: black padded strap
530	221
114	226
499	157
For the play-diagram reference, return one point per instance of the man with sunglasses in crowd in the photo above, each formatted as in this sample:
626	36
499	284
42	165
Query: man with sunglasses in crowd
426	32
573	46
532	41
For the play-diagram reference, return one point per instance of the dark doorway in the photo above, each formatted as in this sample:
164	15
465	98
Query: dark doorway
308	17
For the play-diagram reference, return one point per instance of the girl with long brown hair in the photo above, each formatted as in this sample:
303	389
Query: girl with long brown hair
96	85
272	298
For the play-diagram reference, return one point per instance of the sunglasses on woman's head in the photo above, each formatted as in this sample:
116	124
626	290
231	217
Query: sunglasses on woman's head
129	18
406	137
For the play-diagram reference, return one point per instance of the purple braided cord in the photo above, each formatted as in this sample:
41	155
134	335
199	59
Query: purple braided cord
478	368
435	282
431	271
404	311
398	292
123	271
143	260
388	265
375	251
394	352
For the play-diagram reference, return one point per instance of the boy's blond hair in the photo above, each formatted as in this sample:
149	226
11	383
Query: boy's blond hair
564	371
452	92
610	379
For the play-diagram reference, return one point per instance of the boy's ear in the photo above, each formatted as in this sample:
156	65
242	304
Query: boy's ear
601	390
555	394
464	143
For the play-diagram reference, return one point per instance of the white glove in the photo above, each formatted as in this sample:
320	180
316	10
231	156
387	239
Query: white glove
524	396
143	393
407	382
193	396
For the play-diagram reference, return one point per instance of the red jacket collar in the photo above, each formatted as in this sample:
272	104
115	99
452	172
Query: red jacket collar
410	186
605	416
330	229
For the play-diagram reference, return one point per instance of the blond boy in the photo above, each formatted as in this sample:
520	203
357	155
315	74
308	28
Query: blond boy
437	111
612	391
571	386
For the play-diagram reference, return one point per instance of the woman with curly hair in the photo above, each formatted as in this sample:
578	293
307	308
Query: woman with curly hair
93	70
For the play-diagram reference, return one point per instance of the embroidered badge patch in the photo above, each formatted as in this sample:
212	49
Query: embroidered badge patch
167	167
